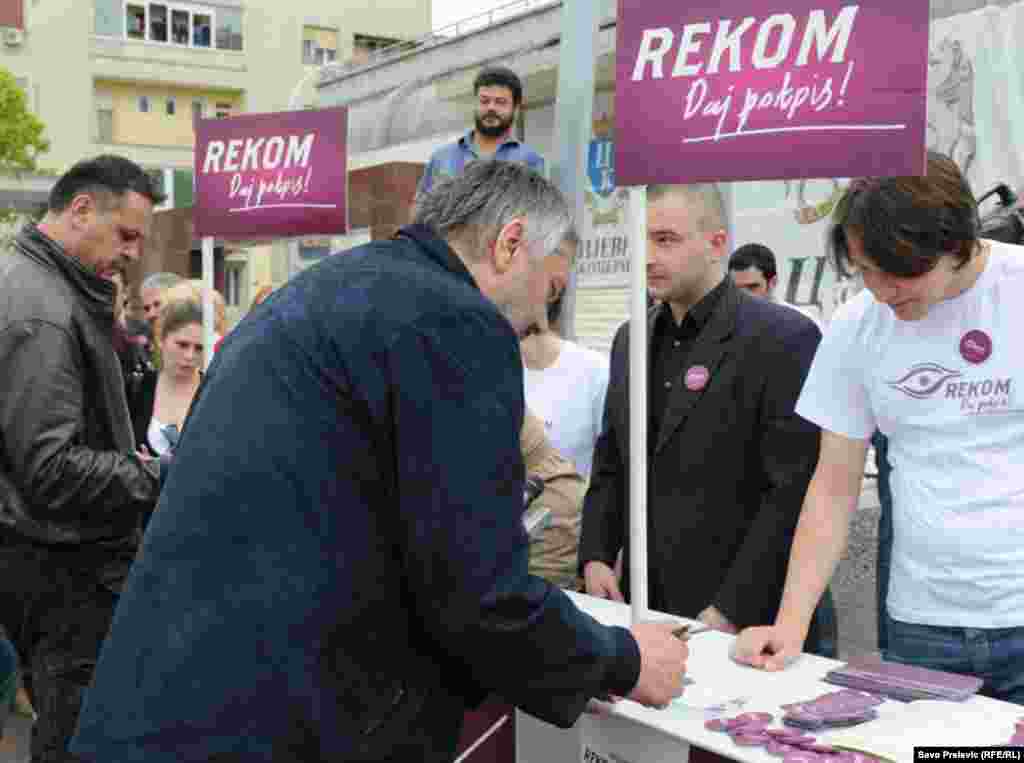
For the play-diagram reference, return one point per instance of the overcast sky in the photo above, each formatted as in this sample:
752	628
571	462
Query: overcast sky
449	11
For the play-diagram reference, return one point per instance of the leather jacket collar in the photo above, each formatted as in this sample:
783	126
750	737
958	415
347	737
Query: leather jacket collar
96	293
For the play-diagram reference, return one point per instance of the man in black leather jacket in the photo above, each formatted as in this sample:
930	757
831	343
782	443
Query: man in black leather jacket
73	489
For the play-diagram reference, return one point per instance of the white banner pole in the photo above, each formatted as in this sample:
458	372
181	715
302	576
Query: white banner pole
208	329
638	403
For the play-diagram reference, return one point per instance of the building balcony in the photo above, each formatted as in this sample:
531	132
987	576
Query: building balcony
140	61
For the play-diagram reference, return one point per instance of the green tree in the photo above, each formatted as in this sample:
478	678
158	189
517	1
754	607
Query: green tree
21	132
21	137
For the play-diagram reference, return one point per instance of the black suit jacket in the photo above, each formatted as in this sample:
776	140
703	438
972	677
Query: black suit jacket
727	478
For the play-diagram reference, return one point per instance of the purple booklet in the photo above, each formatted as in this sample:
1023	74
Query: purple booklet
904	682
839	708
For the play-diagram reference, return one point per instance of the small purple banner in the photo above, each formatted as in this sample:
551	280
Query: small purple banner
272	175
722	90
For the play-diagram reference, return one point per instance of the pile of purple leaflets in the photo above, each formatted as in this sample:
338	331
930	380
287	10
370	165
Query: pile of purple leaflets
837	709
751	730
903	682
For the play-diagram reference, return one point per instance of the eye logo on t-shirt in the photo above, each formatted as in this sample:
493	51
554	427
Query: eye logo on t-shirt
972	396
923	380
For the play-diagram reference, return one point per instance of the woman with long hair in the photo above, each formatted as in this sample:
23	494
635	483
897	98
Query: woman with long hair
167	394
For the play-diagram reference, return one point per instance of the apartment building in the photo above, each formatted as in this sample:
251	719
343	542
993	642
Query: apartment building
130	76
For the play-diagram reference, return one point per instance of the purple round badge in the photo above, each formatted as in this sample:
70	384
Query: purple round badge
696	378
976	346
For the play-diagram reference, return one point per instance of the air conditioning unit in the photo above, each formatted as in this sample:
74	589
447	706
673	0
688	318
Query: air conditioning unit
13	37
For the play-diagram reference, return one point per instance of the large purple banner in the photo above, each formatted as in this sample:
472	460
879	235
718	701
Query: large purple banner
711	90
272	175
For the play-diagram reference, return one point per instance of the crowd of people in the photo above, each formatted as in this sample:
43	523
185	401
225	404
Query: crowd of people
314	548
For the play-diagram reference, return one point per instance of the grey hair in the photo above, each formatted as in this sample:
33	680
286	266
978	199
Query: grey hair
160	281
475	205
707	196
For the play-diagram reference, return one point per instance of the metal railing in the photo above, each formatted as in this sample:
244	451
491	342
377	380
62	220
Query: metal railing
459	28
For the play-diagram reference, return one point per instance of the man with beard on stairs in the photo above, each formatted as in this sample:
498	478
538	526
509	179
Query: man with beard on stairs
499	95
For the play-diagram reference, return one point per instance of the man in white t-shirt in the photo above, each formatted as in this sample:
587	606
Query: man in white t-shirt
565	382
927	354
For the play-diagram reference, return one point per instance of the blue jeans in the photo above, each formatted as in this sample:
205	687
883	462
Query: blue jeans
8	678
824	631
995	655
881	444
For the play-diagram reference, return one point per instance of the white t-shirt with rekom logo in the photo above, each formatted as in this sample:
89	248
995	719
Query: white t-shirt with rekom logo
948	391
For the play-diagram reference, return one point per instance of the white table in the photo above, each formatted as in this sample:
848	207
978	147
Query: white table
635	734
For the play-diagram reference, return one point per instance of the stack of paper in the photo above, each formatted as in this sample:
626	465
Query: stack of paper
903	682
926	723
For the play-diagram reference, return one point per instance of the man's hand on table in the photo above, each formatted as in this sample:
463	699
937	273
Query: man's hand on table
662	664
600	581
769	647
715	619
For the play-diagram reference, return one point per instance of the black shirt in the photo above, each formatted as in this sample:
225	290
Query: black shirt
671	344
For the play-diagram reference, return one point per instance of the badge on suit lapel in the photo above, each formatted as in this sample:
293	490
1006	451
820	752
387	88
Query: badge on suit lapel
697	378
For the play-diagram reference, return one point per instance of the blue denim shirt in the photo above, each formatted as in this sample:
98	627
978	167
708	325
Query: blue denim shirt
449	160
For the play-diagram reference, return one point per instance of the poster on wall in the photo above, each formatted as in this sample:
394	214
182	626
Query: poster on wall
272	175
602	260
724	90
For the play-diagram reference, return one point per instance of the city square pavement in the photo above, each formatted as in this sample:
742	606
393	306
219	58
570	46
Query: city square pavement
853	588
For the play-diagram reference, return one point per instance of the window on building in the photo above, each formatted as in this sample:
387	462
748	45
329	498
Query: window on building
11	14
180	31
187	24
319	45
135	21
364	46
26	88
197	109
144	104
104	124
157	22
373	42
109	18
228	24
172	106
234	284
202	30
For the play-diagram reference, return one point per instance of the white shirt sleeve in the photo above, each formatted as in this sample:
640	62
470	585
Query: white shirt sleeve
600	381
835	394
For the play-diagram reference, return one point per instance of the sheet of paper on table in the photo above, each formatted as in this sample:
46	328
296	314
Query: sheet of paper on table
720	685
924	723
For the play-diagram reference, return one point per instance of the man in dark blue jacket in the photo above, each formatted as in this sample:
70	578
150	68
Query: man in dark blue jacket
337	565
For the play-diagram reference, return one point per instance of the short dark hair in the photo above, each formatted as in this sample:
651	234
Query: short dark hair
499	76
754	255
106	178
907	224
